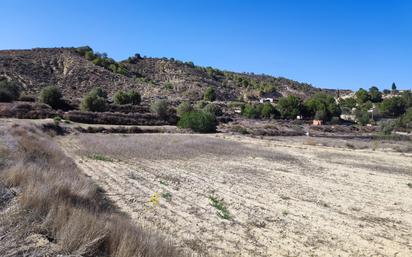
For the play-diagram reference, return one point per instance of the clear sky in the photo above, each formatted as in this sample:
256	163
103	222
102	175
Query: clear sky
328	43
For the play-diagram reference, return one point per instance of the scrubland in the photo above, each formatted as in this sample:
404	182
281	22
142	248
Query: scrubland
225	195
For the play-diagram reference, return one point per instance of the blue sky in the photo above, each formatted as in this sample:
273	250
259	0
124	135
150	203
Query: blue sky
328	43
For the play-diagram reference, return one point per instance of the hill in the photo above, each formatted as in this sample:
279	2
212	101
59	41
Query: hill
77	70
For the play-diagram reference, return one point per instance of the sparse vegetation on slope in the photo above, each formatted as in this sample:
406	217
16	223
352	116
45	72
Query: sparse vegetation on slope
66	208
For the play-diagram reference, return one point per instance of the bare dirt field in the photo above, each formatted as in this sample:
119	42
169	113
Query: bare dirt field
221	195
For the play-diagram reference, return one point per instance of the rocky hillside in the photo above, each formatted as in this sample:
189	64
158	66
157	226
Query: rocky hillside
75	73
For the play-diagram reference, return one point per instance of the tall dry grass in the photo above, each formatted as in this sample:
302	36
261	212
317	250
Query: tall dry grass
68	208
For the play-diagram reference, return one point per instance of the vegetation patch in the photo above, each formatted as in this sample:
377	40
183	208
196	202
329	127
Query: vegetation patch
222	210
99	157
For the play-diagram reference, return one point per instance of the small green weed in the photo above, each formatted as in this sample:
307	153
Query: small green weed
163	183
222	211
167	196
99	157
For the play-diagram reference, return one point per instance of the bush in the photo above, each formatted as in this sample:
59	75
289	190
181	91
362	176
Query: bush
394	106
268	111
183	108
362	117
94	101
210	94
362	96
322	107
200	105
198	121
289	107
51	95
250	111
99	92
131	97
9	91
213	109
375	95
134	97
160	108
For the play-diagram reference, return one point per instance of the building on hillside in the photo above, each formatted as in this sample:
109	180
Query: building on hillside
266	100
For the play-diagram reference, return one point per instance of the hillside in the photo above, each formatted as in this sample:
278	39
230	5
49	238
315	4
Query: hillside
75	75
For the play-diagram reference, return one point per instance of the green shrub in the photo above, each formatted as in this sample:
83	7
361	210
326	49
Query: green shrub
134	97
183	108
210	94
387	126
51	95
362	96
394	106
9	91
131	97
348	103
95	101
250	111
322	107
268	111
289	107
198	121
362	117
99	92
375	95
160	108
213	109
200	105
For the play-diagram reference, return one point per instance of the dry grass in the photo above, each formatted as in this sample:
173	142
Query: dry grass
170	147
67	207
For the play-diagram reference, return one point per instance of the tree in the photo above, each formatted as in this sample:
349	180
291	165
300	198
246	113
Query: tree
134	97
386	91
183	108
160	108
349	103
323	105
394	89
362	96
375	95
407	98
250	111
268	111
362	117
51	95
99	92
131	97
95	101
9	91
289	107
393	106
198	121
210	94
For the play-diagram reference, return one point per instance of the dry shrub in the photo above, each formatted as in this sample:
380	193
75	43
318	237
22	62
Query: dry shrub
69	208
117	118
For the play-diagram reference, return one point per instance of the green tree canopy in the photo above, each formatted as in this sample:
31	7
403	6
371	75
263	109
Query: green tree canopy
9	91
393	106
51	95
362	96
95	101
375	95
289	107
323	106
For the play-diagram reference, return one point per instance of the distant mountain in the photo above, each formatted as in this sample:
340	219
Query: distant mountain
77	70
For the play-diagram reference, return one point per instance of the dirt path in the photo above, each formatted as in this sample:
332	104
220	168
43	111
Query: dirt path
283	199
